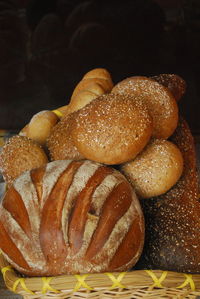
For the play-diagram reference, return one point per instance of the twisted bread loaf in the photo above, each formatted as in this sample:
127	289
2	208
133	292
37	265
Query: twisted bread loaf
71	217
93	84
99	76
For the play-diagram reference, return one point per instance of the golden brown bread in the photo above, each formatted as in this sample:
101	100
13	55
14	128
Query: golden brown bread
23	131
156	169
71	217
60	143
93	84
40	126
159	100
97	76
112	129
173	219
19	154
84	97
62	111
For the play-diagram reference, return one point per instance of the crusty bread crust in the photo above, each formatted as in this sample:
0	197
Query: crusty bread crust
173	219
71	217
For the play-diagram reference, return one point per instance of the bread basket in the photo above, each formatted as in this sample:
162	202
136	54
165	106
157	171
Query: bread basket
135	284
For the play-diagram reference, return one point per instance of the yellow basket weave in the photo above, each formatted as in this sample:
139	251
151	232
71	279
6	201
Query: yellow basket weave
136	284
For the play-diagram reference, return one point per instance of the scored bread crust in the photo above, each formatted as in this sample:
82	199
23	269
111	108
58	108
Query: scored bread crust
173	219
71	217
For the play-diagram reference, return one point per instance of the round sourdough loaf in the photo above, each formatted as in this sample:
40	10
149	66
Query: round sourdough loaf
71	217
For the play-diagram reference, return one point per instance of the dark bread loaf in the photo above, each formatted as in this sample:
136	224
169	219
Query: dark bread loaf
173	82
71	217
173	219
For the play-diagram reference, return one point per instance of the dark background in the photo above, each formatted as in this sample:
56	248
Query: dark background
46	46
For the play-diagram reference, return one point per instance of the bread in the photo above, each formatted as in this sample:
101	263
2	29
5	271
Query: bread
85	96
23	131
156	169
40	126
112	129
93	84
18	155
172	220
62	111
98	76
71	217
159	100
60	144
174	83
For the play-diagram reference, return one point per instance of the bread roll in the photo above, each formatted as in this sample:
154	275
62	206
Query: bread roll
112	129
18	155
60	143
156	169
71	217
98	73
83	98
161	103
40	126
93	84
98	76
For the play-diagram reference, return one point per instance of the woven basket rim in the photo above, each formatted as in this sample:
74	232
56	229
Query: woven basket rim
136	279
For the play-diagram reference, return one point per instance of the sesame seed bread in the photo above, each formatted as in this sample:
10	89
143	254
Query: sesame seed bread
19	154
160	102
156	169
173	220
60	143
173	82
112	129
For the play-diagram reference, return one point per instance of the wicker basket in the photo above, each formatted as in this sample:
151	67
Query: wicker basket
126	285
